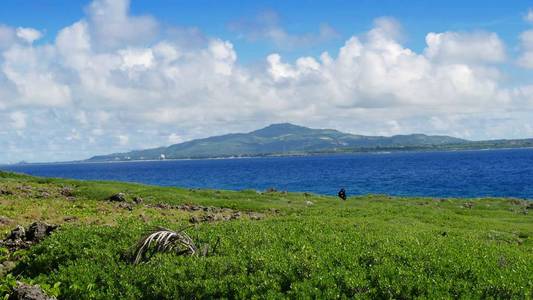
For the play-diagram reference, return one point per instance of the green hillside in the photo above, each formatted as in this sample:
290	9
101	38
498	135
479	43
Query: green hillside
280	139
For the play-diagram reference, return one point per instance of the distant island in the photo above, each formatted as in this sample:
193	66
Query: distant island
287	139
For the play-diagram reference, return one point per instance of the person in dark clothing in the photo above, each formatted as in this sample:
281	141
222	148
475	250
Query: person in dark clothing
342	194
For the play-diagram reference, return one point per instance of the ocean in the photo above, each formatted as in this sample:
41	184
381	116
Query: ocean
491	173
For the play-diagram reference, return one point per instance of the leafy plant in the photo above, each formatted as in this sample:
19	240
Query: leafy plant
7	284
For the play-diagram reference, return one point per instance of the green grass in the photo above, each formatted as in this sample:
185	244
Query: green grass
367	247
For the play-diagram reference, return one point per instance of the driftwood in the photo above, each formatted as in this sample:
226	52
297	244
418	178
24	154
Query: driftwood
163	240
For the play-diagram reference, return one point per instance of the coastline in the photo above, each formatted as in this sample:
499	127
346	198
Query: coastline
384	151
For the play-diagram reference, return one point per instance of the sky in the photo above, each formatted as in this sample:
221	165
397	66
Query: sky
81	78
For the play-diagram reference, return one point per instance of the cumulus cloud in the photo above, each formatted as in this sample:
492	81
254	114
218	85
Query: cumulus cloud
10	36
465	47
115	82
526	43
112	26
18	120
529	16
267	25
123	139
29	35
30	71
526	59
7	36
377	71
174	138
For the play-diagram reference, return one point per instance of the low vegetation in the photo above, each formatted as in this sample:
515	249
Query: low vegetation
268	244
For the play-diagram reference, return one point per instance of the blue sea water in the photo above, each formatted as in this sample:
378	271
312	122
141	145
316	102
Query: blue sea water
497	173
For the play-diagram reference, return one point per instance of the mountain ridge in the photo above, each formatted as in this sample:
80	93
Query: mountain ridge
281	139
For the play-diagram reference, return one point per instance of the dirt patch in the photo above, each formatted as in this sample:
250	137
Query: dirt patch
209	213
37	191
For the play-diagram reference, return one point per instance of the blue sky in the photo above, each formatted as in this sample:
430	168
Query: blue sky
79	78
347	17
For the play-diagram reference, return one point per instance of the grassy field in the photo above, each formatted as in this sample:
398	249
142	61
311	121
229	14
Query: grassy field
272	244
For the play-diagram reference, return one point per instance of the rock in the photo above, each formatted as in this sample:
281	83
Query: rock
515	201
5	220
138	200
45	195
120	197
21	238
211	217
67	191
19	233
468	205
271	190
236	215
38	231
163	206
25	291
5	192
70	218
125	205
24	188
14	245
255	216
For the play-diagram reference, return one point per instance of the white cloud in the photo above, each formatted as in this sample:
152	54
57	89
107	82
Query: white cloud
465	47
123	139
29	35
73	136
529	16
386	28
129	87
526	59
18	120
7	36
379	72
30	71
267	25
174	138
223	56
526	42
112	26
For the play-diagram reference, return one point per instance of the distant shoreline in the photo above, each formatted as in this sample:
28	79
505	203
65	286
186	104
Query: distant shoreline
392	151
